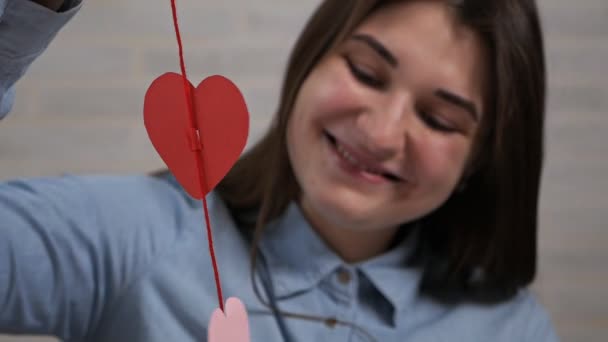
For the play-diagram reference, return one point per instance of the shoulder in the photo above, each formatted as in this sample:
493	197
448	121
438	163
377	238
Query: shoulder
158	210
181	271
143	195
532	318
522	318
140	208
121	219
109	197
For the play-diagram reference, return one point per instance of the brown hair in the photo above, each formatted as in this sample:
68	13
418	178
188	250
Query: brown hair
481	244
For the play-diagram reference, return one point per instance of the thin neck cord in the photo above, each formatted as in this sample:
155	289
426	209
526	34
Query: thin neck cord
279	315
270	294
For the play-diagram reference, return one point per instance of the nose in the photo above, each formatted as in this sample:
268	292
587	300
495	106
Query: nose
384	127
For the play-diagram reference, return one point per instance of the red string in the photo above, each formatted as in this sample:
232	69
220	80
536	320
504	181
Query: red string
199	160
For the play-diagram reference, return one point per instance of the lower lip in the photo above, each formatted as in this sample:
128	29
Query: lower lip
352	170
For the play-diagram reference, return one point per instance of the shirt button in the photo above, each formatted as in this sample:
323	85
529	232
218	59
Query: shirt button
331	322
344	277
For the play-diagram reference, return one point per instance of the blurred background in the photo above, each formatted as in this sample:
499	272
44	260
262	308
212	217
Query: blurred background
79	110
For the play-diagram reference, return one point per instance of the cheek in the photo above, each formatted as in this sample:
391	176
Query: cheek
337	99
327	93
442	161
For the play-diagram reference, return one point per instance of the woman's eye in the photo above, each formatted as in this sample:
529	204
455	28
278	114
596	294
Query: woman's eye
435	124
363	76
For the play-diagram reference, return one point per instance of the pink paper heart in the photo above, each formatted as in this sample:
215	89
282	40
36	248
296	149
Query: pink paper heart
231	327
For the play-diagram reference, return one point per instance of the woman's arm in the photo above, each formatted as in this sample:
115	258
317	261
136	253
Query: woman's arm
26	29
70	246
50	271
49	275
33	267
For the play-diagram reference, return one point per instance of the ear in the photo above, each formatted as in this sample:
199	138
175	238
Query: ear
475	161
472	166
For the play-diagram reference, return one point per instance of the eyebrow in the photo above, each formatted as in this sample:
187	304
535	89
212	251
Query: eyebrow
446	95
378	48
458	101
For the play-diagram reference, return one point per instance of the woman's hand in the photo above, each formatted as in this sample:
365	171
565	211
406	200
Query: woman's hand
50	4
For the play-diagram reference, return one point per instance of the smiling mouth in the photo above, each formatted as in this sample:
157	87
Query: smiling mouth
358	164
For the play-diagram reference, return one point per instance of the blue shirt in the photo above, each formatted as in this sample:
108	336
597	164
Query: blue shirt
125	258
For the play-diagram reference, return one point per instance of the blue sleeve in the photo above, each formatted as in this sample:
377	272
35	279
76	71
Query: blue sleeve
26	29
70	246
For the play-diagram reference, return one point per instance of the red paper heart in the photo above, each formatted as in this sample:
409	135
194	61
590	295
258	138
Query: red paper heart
222	119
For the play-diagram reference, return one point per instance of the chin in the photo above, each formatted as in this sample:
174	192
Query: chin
343	207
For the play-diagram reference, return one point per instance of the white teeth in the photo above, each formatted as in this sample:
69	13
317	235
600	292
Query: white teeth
352	159
347	155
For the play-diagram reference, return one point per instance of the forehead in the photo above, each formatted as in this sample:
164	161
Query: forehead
430	44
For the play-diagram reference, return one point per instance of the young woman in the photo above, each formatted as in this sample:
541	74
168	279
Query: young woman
394	198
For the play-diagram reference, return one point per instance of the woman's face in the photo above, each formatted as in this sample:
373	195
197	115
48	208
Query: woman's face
382	128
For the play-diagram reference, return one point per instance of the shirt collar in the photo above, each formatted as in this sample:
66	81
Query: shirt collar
298	259
391	275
